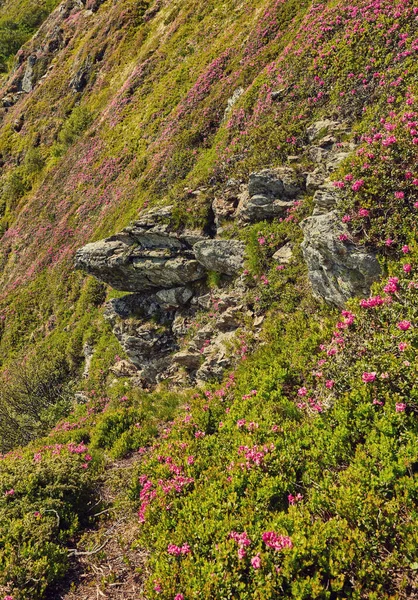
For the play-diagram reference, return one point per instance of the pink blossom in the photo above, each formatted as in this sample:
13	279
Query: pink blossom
363	212
399	195
179	597
392	286
157	587
400	407
404	325
407	268
302	391
275	541
368	377
10	492
405	249
330	383
256	561
346	219
357	185
402	346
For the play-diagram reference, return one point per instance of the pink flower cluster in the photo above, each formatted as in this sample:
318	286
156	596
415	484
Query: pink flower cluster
275	541
183	550
255	456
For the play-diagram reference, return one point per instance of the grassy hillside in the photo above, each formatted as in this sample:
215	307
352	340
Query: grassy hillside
296	477
18	22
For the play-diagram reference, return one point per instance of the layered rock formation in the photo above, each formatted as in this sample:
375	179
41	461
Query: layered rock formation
166	268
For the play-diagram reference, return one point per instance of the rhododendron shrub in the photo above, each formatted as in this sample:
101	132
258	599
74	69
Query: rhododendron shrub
284	498
45	494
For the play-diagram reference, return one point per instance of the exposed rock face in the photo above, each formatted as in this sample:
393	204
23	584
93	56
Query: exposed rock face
224	256
269	194
27	81
337	270
166	270
143	329
142	257
81	77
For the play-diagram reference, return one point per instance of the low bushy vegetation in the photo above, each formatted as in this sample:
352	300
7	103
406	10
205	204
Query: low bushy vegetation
296	477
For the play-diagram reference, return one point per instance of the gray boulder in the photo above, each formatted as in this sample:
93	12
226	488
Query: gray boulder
174	297
337	270
320	129
223	256
269	196
140	259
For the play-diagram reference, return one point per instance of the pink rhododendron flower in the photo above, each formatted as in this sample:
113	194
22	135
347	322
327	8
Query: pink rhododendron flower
368	377
404	325
357	185
157	587
330	383
400	407
407	268
363	212
392	285
405	249
256	561
402	346
275	541
179	597
302	391
399	195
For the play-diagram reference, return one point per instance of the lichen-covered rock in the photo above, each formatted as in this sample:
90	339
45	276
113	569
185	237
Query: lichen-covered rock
338	270
27	81
223	256
138	260
144	331
174	297
322	128
269	195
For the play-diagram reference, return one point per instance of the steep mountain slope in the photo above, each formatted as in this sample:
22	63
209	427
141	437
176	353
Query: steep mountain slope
255	166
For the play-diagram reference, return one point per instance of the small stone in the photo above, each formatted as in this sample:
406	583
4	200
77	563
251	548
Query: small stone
284	254
174	297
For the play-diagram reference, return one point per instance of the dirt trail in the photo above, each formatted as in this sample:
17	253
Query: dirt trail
105	561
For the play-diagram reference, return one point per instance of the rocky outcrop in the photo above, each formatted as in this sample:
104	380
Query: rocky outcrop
158	325
269	195
166	269
338	270
144	256
223	256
